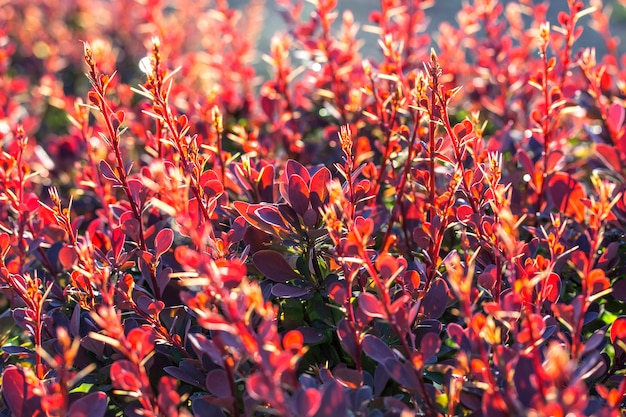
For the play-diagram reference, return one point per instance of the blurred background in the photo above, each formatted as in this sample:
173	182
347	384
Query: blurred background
442	10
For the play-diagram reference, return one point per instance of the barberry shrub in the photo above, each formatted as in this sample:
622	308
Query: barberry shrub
434	225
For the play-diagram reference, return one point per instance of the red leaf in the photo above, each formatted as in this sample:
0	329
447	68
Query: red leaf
464	213
615	118
274	266
91	405
463	129
608	156
18	386
67	257
597	281
567	195
319	189
163	241
618	329
257	388
554	160
123	376
298	193
130	226
551	288
141	340
293	340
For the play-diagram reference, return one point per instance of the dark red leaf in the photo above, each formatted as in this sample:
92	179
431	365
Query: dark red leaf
18	391
296	168
136	189
350	378
91	405
619	289
554	161
463	129
403	374
108	173
595	340
597	281
298	192
265	183
271	215
487	279
274	266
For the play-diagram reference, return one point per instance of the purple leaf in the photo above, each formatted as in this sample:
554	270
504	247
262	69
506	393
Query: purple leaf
91	405
377	349
274	266
436	300
216	383
307	402
371	305
203	408
289	291
108	173
333	402
430	345
346	333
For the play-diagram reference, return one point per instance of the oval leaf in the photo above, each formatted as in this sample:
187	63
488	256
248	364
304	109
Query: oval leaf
272	264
